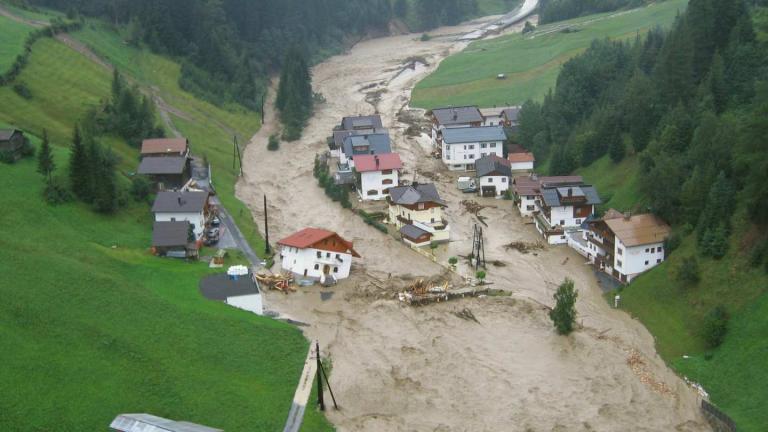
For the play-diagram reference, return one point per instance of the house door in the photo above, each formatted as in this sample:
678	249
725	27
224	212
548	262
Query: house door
305	272
489	191
326	269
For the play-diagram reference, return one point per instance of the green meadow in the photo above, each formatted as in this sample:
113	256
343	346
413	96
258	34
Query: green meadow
12	39
530	62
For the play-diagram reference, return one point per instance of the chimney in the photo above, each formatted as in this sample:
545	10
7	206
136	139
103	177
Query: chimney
376	158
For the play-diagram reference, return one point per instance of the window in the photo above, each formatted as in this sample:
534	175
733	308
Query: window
653	250
618	263
646	250
421	206
317	266
465	156
335	269
338	256
646	262
173	219
372	192
471	146
432	220
658	261
659	249
471	156
465	146
620	251
483	145
447	156
386	181
530	208
319	254
490	179
493	145
386	172
562	222
503	179
578	221
327	254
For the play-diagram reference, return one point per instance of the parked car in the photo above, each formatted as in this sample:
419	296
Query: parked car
467	184
212	232
215	221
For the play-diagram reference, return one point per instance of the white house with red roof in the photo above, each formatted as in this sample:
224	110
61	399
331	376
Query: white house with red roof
375	174
521	162
317	254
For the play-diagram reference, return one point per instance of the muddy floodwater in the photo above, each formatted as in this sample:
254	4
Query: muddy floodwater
400	368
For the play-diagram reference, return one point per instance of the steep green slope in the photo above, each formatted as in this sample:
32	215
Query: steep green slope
11	41
531	62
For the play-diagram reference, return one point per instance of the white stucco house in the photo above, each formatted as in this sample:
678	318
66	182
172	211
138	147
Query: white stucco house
452	118
318	254
462	147
366	144
418	212
375	174
498	116
563	207
493	175
526	189
190	206
624	245
237	288
521	162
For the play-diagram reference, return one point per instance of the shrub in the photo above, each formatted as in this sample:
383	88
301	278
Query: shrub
274	143
453	260
7	156
688	271
54	193
480	275
425	37
27	149
141	187
22	90
528	27
563	315
715	326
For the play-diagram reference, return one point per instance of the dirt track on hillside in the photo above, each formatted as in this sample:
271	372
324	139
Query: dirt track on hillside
397	368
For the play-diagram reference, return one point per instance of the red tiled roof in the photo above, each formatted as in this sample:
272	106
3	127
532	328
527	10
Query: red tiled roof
308	237
164	145
521	157
386	161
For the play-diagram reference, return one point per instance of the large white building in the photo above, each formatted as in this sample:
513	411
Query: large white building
493	175
563	207
417	211
317	254
190	206
462	147
452	118
376	174
626	246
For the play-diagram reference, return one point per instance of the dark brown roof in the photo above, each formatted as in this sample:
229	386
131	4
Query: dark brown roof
170	234
180	202
164	145
162	165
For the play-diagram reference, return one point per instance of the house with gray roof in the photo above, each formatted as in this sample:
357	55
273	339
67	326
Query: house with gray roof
493	175
172	239
461	148
362	123
168	172
453	118
189	206
367	144
564	207
12	142
418	205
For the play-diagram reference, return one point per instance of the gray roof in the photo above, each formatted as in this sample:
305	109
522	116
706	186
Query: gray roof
552	195
457	115
221	287
412	231
420	193
361	122
6	134
162	165
150	423
169	234
340	135
367	144
492	165
180	202
474	134
511	113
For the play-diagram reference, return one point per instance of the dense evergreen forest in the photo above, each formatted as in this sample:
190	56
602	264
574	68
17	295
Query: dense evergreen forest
558	10
690	103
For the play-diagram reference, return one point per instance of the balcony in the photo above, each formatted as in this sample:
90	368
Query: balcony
331	260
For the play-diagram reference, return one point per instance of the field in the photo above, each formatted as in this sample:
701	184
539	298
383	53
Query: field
11	41
618	184
531	62
92	319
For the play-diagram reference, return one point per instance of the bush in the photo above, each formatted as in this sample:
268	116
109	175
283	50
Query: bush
22	90
453	260
274	143
27	149
528	27
563	315
480	275
7	156
141	187
425	37
688	271
54	193
715	326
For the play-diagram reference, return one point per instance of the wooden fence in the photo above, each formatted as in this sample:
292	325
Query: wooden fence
718	419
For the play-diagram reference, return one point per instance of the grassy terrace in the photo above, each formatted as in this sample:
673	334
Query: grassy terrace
11	41
531	62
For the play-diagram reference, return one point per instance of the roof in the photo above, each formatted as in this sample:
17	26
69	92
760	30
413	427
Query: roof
6	134
412	231
492	165
150	423
386	161
497	111
168	234
511	113
414	194
378	143
474	134
639	229
612	214
162	165
164	145
554	196
361	122
308	237
180	202
340	135
221	287
531	184
457	115
521	157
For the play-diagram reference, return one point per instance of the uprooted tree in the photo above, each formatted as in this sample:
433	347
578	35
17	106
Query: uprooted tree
564	313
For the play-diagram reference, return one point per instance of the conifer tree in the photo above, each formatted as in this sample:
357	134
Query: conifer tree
79	166
45	162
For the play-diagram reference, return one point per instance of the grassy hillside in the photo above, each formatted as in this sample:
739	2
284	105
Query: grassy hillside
484	8
531	62
11	41
618	184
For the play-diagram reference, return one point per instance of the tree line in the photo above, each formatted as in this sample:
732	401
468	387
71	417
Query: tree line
690	103
559	10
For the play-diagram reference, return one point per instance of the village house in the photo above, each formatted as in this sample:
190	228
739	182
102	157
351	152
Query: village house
563	207
375	174
170	172
625	245
154	147
337	143
417	211
496	116
190	206
461	148
527	189
317	254
371	144
453	117
237	288
150	423
172	239
356	125
521	162
493	175
509	116
12	142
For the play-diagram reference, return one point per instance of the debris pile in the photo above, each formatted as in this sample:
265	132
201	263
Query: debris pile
474	207
466	314
638	366
421	293
524	247
278	282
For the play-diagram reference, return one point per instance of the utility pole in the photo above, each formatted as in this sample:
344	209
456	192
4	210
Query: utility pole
478	247
267	249
236	157
321	375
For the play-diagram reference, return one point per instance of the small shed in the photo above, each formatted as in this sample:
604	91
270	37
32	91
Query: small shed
415	236
12	141
172	239
241	292
151	423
